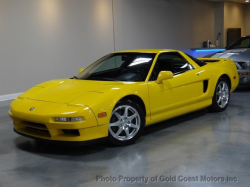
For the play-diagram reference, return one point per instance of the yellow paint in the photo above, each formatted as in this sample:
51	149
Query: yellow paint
164	75
80	70
170	97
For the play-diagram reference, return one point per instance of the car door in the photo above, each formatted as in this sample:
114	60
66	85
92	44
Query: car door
177	94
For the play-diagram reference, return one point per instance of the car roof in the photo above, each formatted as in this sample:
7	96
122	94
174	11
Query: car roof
146	51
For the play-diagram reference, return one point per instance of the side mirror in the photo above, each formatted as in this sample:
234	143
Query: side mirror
80	70
164	75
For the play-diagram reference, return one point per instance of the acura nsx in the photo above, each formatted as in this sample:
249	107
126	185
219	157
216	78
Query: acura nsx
118	95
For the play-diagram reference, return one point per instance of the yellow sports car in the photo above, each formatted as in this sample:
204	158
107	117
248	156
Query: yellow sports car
116	96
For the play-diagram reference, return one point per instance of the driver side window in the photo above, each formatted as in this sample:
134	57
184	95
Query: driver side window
170	61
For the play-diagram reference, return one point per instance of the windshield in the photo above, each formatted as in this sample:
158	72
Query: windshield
119	67
241	43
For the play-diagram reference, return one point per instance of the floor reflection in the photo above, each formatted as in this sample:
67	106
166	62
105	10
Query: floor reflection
198	143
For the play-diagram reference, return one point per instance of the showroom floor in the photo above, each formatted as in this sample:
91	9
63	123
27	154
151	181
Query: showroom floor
213	145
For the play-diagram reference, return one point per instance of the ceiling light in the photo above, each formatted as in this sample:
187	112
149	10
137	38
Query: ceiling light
247	1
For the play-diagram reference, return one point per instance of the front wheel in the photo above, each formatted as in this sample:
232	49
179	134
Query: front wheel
221	96
126	123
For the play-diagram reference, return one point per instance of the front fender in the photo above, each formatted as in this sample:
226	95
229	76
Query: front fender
107	101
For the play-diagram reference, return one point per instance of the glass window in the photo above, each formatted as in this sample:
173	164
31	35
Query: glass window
171	61
120	67
241	43
110	63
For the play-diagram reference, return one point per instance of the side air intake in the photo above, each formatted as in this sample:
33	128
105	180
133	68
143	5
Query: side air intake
205	85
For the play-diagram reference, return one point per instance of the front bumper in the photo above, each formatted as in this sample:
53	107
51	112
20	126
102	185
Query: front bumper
244	77
40	122
72	143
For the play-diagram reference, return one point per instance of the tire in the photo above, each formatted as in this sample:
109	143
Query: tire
127	122
221	96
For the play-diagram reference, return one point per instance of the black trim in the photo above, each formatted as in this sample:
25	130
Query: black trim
205	86
73	143
197	61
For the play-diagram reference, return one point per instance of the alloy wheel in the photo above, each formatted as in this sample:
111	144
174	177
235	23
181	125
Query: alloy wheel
124	123
222	94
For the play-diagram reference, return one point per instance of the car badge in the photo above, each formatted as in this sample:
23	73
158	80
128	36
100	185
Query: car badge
31	109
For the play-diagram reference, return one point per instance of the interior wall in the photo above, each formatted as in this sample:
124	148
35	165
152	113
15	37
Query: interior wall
146	24
247	19
234	17
203	22
219	23
165	24
50	39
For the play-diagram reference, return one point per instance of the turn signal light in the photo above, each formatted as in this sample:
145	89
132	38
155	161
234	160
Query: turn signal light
248	73
102	115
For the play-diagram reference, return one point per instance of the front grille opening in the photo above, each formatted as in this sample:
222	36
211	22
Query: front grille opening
35	125
38	131
71	132
35	128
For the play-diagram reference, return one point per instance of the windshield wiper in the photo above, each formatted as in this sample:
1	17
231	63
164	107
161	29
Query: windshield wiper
100	79
75	77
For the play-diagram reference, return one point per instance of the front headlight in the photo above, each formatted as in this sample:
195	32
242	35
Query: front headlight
68	119
247	65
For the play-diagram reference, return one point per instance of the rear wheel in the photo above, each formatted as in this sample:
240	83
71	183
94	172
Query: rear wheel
126	123
221	96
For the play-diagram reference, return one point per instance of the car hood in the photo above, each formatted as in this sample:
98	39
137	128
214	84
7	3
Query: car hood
65	91
237	55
